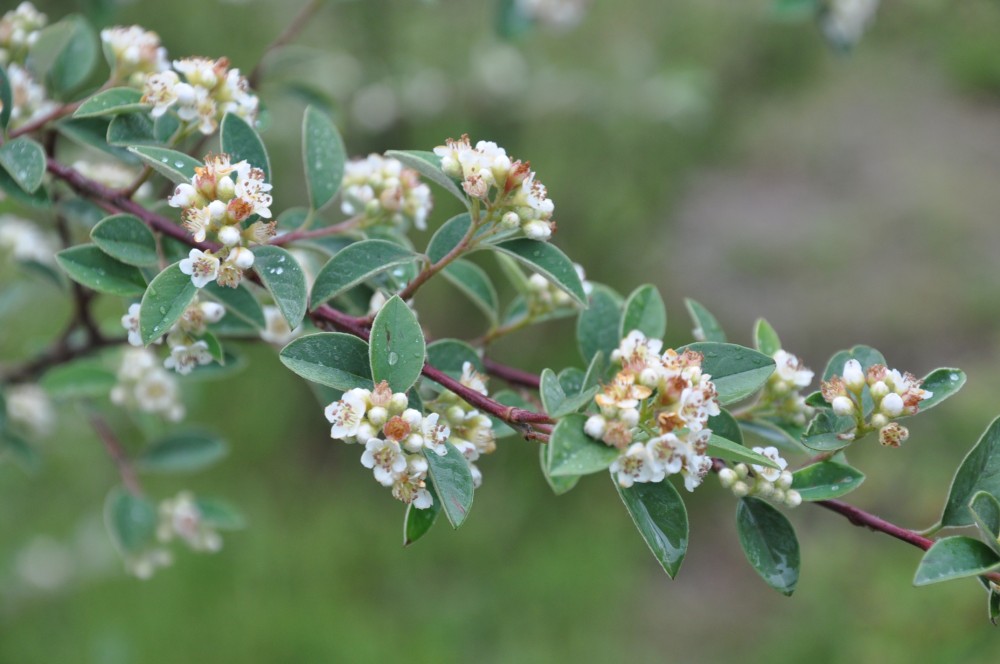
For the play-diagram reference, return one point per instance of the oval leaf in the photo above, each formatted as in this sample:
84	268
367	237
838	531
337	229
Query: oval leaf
475	284
182	452
168	295
6	98
737	371
111	102
452	483
548	261
356	263
218	514
24	160
238	301
572	452
125	237
175	166
985	510
644	311
396	346
428	164
706	327
449	355
597	328
765	338
769	542
659	513
724	448
943	383
88	265
284	279
561	484
955	558
826	431
866	355
324	156
980	471
240	141
825	480
334	359
417	522
131	520
448	236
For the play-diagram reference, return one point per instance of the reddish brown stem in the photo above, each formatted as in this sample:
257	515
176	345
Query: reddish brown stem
117	454
512	375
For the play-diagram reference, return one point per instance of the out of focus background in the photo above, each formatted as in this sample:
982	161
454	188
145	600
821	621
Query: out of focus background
715	149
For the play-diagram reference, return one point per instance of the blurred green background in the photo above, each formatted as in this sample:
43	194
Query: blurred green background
700	145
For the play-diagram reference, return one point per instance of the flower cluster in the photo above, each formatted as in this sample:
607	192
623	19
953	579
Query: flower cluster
843	22
514	198
145	385
471	431
775	484
782	395
187	349
136	53
18	31
892	394
180	517
655	410
28	100
394	436
382	190
219	198
544	296
29	408
25	241
208	90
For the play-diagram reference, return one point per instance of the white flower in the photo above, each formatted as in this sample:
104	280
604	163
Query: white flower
144	565
409	486
181	517
633	466
202	266
25	241
435	435
136	51
156	392
385	458
160	90
346	415
854	375
30	407
770	474
845	21
789	368
276	330
537	230
130	322
472	378
184	358
637	353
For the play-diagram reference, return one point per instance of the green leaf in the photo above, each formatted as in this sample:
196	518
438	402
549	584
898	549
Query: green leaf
795	9
330	358
724	448
220	515
448	236
475	284
572	452
985	510
284	279
46	47
73	64
452	483
769	542
980	471
449	355
126	238
659	513
726	426
515	275
417	522
93	133
163	303
175	166
24	160
111	102
825	431
37	199
88	265
6	99
131	520
23	453
131	129
993	607
595	371
561	484
644	311
765	338
428	164
704	320
240	141
396	346
165	128
943	383
79	379
571	380
548	261
214	347
737	371
239	302
182	452
554	399
955	558
825	480
866	355
356	263
597	328
324	155
512	20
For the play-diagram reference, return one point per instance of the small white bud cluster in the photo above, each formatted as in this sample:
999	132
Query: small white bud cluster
514	198
208	90
144	385
276	330
136	53
893	394
30	409
28	100
666	393
843	22
774	484
471	431
394	436
384	191
555	14
25	241
187	349
18	31
545	297
219	198
144	565
782	393
181	517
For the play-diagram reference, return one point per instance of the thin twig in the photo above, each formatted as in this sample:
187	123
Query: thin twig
117	453
287	36
335	229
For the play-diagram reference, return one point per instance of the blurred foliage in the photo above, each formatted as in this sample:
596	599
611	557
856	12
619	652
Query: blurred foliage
696	144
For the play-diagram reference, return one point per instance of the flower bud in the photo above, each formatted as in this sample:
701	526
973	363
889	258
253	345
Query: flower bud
212	311
398	403
595	425
630	416
793	499
740	489
742	470
229	235
455	414
728	477
413	417
778	496
785	481
509	221
537	230
413	443
879	420
365	432
854	375
225	188
241	257
216	210
892	404
843	405
377	416
879	389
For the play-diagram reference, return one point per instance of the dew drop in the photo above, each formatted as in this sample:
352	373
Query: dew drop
165	160
179	164
393	358
278	270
